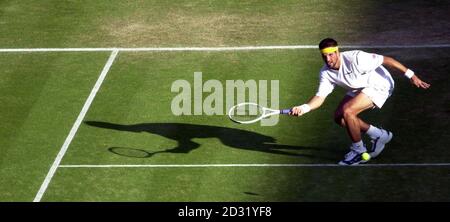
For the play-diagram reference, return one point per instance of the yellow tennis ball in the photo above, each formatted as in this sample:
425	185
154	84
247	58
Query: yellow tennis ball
365	156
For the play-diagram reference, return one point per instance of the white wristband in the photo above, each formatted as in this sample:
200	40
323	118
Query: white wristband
409	73
305	108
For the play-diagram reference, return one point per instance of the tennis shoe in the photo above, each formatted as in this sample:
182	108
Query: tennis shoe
352	158
379	143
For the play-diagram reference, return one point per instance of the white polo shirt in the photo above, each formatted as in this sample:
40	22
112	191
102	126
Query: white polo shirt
354	73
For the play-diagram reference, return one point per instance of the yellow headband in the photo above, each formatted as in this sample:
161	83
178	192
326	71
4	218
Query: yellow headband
329	50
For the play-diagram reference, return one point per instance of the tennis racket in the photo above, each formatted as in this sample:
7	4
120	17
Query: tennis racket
246	113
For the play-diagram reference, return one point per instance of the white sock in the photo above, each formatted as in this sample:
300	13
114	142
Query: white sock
373	132
359	147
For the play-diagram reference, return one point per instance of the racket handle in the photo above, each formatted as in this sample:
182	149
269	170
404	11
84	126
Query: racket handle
285	111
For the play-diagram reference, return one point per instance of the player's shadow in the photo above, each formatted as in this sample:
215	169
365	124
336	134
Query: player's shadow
184	133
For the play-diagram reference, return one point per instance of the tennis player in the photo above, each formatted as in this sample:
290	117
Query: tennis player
369	85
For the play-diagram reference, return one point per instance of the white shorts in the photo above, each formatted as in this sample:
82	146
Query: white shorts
380	87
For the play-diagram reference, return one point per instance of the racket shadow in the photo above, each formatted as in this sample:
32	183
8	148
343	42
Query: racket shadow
235	138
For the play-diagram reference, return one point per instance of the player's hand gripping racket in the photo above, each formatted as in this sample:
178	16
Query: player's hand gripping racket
246	113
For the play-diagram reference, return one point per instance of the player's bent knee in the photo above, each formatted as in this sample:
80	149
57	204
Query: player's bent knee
348	113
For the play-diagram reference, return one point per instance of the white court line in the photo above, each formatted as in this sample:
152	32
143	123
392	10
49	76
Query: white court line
237	48
254	165
75	126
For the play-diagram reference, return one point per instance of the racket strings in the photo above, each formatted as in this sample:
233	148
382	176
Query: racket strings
246	112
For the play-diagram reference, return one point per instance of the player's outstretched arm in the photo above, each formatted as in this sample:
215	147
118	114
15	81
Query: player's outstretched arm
314	103
415	80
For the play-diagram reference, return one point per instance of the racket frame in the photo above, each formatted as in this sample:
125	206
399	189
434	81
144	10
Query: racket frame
266	112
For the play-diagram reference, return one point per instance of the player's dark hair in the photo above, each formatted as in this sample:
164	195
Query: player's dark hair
328	42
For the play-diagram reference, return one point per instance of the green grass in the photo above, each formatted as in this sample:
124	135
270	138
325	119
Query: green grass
130	121
42	95
251	184
119	23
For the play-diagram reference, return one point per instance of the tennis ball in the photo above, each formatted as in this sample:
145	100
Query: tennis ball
365	156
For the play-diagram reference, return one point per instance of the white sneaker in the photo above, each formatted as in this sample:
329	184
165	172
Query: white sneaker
379	143
351	158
